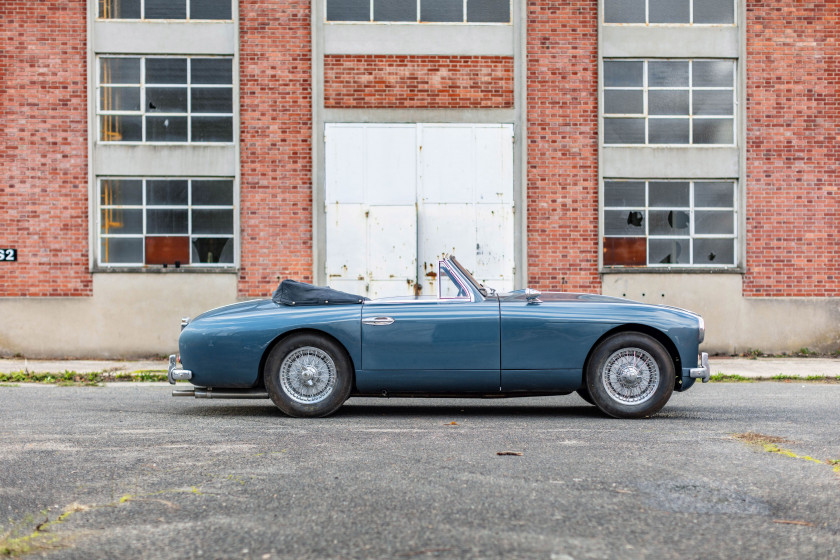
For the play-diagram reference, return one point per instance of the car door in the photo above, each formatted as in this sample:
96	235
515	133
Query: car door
434	345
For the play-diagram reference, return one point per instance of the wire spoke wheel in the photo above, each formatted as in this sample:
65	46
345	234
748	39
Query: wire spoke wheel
631	376
308	375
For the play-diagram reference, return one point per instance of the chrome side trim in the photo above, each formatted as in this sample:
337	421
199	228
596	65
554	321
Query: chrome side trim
175	373
703	372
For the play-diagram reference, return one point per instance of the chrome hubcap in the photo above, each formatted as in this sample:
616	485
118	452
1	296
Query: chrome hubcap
631	376
308	375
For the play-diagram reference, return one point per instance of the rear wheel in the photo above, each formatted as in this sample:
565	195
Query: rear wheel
308	375
630	375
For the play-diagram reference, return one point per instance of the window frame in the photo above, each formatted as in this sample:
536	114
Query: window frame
143	207
143	114
418	20
100	17
646	116
690	23
691	236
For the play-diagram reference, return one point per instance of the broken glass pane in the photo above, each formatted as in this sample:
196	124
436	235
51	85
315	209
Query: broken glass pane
117	250
623	73
668	131
714	194
714	251
212	250
670	11
166	100
667	73
624	222
624	11
720	222
172	192
624	131
624	193
488	11
668	251
669	194
624	102
166	129
669	222
348	10
714	11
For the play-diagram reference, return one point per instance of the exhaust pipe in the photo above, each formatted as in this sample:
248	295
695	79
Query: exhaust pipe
209	393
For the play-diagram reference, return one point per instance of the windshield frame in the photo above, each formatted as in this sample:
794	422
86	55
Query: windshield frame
478	286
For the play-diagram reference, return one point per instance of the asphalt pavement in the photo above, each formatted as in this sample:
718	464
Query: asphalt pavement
726	470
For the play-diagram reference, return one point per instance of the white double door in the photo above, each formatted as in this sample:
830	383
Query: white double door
400	196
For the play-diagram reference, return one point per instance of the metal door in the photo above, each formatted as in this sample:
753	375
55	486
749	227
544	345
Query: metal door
396	192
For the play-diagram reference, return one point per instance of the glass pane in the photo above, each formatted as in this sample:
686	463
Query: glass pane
668	131
625	251
212	192
119	70
668	251
624	102
624	11
212	221
166	192
120	128
714	11
442	10
166	100
714	251
348	10
166	70
668	102
211	100
713	131
624	193
624	131
721	222
166	221
667	73
210	9
119	99
218	250
212	129
488	11
119	9
670	11
166	9
119	220
714	103
395	10
211	71
715	195
624	222
166	129
669	194
619	73
669	222
121	251
120	192
713	73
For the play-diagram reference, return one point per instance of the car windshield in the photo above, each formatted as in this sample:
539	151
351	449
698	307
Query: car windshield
478	285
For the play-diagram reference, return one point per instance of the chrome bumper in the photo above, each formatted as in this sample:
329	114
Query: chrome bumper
703	372
175	373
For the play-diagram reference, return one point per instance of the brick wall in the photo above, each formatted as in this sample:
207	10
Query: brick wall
563	145
43	148
275	135
375	81
793	158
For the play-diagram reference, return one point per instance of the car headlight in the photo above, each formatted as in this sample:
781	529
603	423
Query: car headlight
701	330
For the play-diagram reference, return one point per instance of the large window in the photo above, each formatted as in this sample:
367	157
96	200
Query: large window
453	11
669	102
670	11
165	99
172	222
165	9
668	223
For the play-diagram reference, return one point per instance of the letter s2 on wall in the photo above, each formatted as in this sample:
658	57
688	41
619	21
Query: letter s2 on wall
8	255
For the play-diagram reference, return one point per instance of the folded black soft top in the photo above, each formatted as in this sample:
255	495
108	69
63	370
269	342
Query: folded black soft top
292	292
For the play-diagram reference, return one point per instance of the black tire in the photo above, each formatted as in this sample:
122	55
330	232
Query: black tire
308	375
630	375
583	393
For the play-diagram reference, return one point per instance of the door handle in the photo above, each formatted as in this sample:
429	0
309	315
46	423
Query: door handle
379	321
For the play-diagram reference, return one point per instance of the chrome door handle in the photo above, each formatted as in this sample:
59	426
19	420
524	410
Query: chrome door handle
380	321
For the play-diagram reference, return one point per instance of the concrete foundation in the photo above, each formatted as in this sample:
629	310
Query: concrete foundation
129	315
735	324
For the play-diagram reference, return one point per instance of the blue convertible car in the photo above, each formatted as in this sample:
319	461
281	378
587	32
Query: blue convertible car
310	348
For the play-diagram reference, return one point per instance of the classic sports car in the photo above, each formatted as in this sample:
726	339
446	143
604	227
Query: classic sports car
310	348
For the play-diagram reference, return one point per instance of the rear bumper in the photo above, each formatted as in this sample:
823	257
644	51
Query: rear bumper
175	373
703	372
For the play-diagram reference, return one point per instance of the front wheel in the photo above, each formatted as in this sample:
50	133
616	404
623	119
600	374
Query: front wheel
308	375
630	375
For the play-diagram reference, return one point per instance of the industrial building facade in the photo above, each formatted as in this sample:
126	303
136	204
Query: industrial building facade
162	157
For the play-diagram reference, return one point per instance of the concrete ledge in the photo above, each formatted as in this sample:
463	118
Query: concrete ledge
170	37
161	160
672	41
652	162
418	39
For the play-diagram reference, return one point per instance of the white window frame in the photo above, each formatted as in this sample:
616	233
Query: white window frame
690	17
418	20
143	14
